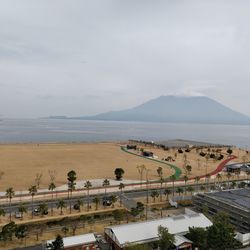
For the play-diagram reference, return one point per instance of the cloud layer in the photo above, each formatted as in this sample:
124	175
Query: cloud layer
83	57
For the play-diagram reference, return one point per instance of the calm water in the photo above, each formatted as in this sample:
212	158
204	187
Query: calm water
45	130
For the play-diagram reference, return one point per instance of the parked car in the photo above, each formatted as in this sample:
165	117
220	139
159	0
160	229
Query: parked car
18	215
36	211
76	207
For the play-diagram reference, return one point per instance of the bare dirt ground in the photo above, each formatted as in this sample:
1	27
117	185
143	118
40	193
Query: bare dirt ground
21	162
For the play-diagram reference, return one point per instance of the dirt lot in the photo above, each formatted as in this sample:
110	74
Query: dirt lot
21	162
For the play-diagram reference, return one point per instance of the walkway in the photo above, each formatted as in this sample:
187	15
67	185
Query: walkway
177	173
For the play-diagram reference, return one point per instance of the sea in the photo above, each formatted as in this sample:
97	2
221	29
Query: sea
70	131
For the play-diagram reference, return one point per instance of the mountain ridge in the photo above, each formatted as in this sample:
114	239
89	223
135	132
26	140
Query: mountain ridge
176	109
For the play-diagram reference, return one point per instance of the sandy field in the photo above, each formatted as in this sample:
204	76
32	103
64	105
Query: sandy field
21	162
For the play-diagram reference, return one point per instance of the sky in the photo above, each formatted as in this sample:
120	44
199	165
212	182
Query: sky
79	57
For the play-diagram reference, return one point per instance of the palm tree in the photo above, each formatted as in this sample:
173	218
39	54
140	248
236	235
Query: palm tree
197	179
167	192
32	191
141	169
185	180
202	188
22	209
113	199
121	187
79	202
218	177
52	187
173	179
105	184
154	194
97	201
179	190
161	182
43	208
208	176
71	177
88	185
238	175
190	189
61	204
229	175
2	212
10	193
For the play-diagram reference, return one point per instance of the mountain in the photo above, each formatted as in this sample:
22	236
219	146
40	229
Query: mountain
177	109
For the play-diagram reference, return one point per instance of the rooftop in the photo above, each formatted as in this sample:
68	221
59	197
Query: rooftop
238	197
77	240
148	230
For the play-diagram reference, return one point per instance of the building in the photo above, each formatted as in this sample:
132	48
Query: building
236	203
79	242
122	236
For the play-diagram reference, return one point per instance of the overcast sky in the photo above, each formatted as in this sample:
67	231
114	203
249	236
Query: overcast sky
77	57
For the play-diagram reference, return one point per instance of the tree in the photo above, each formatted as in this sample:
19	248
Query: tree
118	215
173	179
188	169
22	209
161	182
43	208
88	185
141	169
229	151
8	230
190	189
105	184
97	201
179	191
202	188
218	177
71	177
159	171
121	187
113	198
185	180
65	230
79	203
228	179
61	204
52	187
38	179
57	244
10	193
32	191
197	179
139	209
198	236
154	195
119	172
21	232
221	234
208	176
2	212
167	192
166	240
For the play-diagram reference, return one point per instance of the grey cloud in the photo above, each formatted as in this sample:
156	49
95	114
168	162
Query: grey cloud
90	56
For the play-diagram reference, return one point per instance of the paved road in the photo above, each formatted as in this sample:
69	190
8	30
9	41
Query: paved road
128	195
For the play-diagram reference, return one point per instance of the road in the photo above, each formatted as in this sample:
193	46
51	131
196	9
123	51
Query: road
131	194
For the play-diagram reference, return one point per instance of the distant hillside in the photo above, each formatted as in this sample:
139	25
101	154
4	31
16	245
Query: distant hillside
176	109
